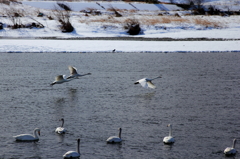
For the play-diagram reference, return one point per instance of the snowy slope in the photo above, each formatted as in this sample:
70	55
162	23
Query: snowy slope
106	25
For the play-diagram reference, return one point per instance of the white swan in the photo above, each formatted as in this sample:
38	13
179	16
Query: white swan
231	150
169	139
60	79
73	154
61	129
28	137
74	74
145	82
115	139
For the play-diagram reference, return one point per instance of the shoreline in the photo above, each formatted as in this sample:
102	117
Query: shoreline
119	38
118	45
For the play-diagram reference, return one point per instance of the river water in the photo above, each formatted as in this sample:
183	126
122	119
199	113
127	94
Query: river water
199	94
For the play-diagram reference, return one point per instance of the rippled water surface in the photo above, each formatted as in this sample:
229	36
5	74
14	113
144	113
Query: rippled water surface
198	94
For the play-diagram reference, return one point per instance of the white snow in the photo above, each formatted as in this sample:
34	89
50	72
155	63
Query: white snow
106	25
84	46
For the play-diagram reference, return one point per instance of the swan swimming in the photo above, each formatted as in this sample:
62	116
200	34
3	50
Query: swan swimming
61	129
74	74
169	139
145	82
28	137
73	154
60	79
231	150
115	139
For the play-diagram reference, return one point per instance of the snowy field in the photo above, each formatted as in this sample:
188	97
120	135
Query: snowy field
156	21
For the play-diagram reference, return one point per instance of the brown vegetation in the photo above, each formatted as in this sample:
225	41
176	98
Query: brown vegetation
63	17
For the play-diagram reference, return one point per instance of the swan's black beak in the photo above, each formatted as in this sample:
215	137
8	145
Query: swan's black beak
136	83
39	133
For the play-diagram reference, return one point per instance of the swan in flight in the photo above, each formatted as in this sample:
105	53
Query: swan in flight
73	154
115	139
61	129
145	82
60	79
74	74
28	137
231	150
169	139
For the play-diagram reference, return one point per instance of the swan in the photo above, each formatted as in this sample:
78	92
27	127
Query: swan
145	82
73	154
61	130
169	139
115	139
231	150
28	137
74	74
60	79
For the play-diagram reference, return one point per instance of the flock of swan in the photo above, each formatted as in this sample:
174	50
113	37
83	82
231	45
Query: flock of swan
145	82
73	75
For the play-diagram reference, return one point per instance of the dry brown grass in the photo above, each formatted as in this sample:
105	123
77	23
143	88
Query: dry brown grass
207	23
116	9
158	20
102	20
132	11
154	20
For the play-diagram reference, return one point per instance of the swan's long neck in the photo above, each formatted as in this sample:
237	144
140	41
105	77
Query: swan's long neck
62	122
86	74
170	130
156	77
78	146
120	132
234	143
35	134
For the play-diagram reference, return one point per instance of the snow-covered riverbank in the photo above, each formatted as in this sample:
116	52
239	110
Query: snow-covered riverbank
107	25
84	46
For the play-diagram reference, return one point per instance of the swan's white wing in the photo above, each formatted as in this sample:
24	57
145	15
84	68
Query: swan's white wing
114	139
59	78
60	130
143	82
25	137
151	85
71	154
72	70
168	139
229	151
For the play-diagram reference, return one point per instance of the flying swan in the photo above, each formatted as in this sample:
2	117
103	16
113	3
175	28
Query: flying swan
231	150
115	139
28	137
73	154
74	74
61	129
169	139
60	79
145	82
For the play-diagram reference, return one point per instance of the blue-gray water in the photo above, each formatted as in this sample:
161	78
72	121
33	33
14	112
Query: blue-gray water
199	94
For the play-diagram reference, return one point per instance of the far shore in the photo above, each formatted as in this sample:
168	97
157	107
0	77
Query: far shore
121	38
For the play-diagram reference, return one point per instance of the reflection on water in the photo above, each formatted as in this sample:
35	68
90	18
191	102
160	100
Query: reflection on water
72	94
60	137
198	93
168	146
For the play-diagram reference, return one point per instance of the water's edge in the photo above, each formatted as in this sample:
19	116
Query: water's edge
123	38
